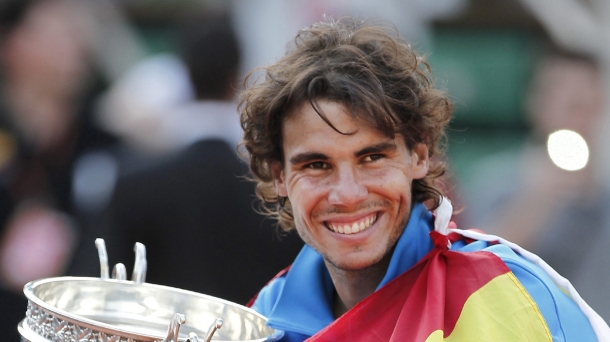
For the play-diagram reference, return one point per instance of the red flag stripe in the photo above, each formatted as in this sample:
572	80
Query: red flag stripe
433	291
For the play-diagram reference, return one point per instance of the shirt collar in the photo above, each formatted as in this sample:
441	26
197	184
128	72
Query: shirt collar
305	303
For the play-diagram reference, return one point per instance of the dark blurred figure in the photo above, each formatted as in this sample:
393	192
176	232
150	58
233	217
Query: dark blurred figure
560	215
194	211
44	135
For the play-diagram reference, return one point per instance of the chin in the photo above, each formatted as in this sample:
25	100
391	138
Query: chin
356	262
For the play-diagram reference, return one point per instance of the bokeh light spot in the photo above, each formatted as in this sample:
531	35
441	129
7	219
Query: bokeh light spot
568	150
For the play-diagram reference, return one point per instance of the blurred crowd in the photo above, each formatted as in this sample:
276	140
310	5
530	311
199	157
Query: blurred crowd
46	92
101	138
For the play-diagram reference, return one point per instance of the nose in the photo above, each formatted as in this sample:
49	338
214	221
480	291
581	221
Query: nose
347	189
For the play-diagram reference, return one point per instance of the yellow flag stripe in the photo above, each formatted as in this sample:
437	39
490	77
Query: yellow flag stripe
501	311
532	303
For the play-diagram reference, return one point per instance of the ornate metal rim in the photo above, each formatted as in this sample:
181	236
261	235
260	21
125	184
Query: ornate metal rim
46	323
83	322
53	328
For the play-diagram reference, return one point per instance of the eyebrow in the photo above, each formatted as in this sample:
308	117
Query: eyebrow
378	148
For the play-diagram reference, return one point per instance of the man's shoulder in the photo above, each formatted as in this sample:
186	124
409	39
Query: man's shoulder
564	318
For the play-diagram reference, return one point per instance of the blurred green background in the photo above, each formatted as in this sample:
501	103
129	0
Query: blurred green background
486	72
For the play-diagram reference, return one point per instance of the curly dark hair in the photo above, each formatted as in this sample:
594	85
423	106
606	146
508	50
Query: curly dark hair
366	67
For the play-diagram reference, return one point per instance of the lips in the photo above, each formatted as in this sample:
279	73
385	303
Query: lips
348	228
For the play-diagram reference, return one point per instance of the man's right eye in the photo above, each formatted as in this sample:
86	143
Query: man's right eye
317	165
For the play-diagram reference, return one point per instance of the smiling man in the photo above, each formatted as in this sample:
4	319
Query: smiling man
350	193
343	137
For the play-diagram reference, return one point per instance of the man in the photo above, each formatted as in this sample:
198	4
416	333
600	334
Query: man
343	138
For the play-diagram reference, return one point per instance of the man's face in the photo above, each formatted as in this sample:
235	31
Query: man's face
350	194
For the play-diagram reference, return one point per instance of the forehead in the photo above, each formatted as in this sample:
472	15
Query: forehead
307	118
304	130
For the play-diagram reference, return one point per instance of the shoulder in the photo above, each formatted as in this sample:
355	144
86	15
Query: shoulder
565	320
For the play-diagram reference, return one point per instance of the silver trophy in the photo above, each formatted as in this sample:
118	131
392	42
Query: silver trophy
78	309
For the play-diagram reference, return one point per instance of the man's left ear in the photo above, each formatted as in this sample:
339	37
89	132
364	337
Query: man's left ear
420	161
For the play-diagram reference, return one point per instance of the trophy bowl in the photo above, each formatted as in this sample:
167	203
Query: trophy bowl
67	309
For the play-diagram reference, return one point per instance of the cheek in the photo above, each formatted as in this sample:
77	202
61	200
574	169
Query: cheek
392	183
305	194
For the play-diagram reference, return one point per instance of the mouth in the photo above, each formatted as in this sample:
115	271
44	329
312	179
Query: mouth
348	228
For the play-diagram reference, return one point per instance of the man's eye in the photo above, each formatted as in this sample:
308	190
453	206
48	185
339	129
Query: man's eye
372	157
317	165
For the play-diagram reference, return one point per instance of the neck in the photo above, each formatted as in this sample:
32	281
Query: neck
353	286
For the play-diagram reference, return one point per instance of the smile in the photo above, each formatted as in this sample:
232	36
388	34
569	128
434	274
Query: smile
352	228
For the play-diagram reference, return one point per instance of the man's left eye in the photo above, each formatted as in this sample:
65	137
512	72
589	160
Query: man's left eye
372	157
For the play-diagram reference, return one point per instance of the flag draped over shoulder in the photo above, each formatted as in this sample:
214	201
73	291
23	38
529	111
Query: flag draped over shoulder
447	296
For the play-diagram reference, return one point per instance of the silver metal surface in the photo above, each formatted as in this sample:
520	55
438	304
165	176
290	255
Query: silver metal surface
91	309
70	309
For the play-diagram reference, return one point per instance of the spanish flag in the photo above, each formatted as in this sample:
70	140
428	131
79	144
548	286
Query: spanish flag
447	296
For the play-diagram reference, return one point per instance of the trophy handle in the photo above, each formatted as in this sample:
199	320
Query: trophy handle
174	328
192	337
119	272
101	251
208	336
212	329
139	268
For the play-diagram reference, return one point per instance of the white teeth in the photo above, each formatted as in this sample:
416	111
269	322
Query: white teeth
355	227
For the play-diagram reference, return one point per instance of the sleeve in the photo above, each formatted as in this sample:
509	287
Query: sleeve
564	318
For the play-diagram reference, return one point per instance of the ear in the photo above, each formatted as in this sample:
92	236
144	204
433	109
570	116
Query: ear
420	161
278	179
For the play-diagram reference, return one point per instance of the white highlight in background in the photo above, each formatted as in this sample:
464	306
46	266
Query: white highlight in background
568	150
